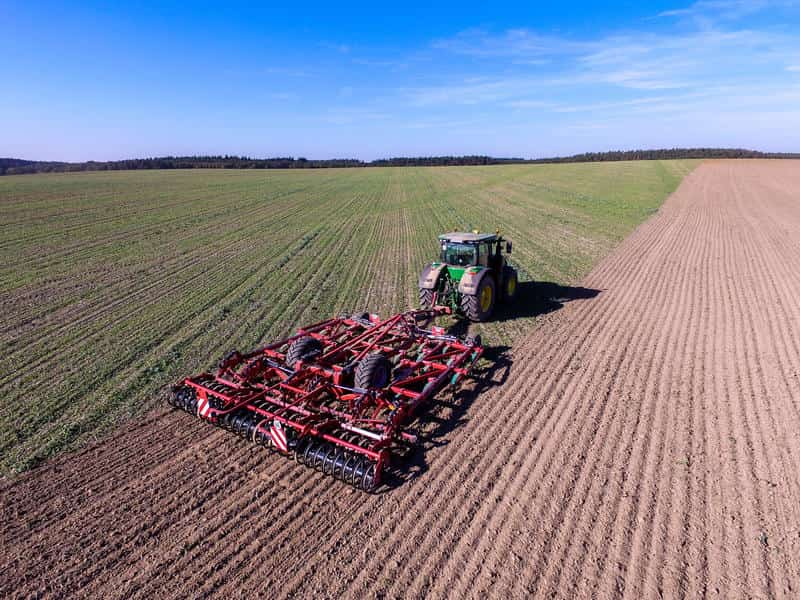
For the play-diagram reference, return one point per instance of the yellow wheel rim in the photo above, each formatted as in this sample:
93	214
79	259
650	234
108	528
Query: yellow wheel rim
512	285
486	298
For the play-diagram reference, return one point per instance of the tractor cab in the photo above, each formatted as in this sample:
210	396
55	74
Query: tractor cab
472	249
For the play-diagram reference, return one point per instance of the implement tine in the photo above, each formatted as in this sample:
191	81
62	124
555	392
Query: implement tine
312	410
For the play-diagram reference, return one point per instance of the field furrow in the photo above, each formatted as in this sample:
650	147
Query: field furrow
639	440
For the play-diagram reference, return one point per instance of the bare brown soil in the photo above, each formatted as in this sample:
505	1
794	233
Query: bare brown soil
645	443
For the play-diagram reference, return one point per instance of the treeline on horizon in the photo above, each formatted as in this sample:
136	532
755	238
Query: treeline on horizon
15	166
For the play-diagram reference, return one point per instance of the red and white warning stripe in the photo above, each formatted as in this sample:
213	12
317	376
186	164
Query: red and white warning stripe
278	436
203	407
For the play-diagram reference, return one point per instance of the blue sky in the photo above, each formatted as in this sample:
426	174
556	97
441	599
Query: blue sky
370	80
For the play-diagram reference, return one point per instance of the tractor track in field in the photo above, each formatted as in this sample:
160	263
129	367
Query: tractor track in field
641	444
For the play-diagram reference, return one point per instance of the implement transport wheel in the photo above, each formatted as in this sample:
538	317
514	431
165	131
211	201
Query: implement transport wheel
425	298
479	306
302	348
363	318
509	284
374	371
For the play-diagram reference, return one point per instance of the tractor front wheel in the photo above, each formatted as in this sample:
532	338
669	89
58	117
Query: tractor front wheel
479	306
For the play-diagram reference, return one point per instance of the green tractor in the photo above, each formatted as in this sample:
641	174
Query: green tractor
472	275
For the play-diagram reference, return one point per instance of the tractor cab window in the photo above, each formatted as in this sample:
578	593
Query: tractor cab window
461	255
484	254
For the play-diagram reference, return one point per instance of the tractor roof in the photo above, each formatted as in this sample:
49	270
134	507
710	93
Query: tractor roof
468	238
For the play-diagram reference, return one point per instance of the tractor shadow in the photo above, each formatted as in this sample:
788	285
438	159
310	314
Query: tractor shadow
536	298
447	412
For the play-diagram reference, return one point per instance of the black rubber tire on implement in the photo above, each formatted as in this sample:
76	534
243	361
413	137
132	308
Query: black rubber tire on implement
510	291
302	348
471	303
363	319
374	371
425	298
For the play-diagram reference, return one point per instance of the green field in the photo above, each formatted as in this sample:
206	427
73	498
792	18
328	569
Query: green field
116	284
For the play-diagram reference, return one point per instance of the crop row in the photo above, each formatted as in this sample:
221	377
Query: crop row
116	284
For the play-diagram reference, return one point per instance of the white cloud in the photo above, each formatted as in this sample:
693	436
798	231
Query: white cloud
351	115
530	104
381	64
524	44
721	9
604	106
472	91
633	61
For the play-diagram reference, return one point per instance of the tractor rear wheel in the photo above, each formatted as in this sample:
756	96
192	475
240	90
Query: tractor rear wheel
425	298
479	306
302	349
510	282
374	371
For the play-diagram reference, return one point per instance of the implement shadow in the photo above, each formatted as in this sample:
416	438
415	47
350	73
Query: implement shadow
447	412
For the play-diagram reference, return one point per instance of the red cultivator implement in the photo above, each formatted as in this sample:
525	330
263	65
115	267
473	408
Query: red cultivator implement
337	395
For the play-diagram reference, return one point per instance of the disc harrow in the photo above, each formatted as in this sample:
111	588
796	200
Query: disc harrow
337	396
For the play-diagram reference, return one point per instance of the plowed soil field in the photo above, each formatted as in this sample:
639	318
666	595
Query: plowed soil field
643	441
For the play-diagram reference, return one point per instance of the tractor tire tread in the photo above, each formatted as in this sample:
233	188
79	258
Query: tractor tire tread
425	298
471	303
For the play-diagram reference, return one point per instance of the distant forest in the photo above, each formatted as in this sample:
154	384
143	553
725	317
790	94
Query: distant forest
16	166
